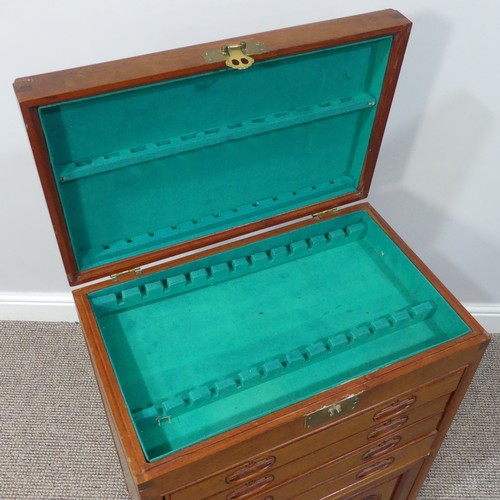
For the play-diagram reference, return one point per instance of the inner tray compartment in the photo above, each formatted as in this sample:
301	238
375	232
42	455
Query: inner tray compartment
157	165
206	346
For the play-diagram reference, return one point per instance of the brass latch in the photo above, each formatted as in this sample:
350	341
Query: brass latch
116	277
331	412
236	56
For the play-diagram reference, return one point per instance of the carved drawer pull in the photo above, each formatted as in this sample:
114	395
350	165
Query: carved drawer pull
373	469
395	408
382	448
250	487
250	468
388	427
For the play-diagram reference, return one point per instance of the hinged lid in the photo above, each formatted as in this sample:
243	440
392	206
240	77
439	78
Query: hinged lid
149	157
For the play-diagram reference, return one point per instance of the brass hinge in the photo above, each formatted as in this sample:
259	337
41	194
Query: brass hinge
318	215
116	277
236	56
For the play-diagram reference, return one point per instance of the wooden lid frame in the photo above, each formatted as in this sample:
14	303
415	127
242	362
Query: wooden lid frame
51	88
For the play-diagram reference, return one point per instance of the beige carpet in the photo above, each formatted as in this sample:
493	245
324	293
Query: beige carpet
55	443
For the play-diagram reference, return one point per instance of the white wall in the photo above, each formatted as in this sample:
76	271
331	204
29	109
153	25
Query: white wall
437	177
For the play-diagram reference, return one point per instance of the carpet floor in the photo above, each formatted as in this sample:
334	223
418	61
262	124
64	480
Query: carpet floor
55	442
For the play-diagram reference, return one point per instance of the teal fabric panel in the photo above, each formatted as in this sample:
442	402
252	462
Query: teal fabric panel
156	165
217	342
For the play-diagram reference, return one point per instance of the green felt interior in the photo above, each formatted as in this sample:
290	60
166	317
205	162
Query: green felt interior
209	345
156	165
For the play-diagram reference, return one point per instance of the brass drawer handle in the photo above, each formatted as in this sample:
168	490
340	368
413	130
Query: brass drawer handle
250	487
395	408
382	448
373	469
388	427
251	468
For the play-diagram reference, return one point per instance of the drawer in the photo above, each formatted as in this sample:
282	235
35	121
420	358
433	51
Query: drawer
383	491
325	481
397	480
334	456
366	430
387	427
381	419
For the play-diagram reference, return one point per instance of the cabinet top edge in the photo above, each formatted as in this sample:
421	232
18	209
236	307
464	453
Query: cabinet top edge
84	81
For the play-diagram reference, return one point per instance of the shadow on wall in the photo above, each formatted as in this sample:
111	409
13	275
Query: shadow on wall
425	209
426	168
446	152
423	60
426	228
447	148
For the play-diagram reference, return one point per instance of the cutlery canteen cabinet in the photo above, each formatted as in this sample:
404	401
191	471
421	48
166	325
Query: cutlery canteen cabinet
254	333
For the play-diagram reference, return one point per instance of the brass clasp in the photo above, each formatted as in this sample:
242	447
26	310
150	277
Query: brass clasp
237	56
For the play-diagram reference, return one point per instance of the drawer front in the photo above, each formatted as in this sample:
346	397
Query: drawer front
382	491
337	453
325	481
382	429
381	420
395	482
340	464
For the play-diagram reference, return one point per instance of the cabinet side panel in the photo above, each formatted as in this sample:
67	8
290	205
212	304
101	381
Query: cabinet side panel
448	417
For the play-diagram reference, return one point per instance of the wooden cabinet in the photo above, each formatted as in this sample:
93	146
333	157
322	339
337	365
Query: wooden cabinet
383	491
252	337
363	436
394	488
356	451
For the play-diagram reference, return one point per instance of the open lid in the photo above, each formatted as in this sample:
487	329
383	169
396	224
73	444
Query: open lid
148	157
